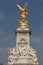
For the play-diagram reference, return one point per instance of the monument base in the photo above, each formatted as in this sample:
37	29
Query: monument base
23	64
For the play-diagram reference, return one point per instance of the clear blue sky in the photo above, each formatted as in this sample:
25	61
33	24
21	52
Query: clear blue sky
9	16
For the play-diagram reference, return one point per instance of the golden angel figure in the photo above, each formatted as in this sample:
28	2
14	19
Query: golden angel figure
23	11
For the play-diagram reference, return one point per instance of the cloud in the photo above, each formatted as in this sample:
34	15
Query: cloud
6	39
41	0
36	0
36	39
3	34
4	55
6	42
41	29
2	14
4	49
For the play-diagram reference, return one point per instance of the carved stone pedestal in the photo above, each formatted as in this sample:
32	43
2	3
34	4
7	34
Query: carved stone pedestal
23	64
23	53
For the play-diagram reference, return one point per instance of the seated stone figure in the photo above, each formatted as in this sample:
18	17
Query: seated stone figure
33	54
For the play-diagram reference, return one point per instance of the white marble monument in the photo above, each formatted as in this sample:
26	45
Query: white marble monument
22	53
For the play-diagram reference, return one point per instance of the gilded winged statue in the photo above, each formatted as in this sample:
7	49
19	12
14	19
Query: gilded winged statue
23	11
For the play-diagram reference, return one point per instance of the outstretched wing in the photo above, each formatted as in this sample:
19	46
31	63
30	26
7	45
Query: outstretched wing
19	7
26	4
